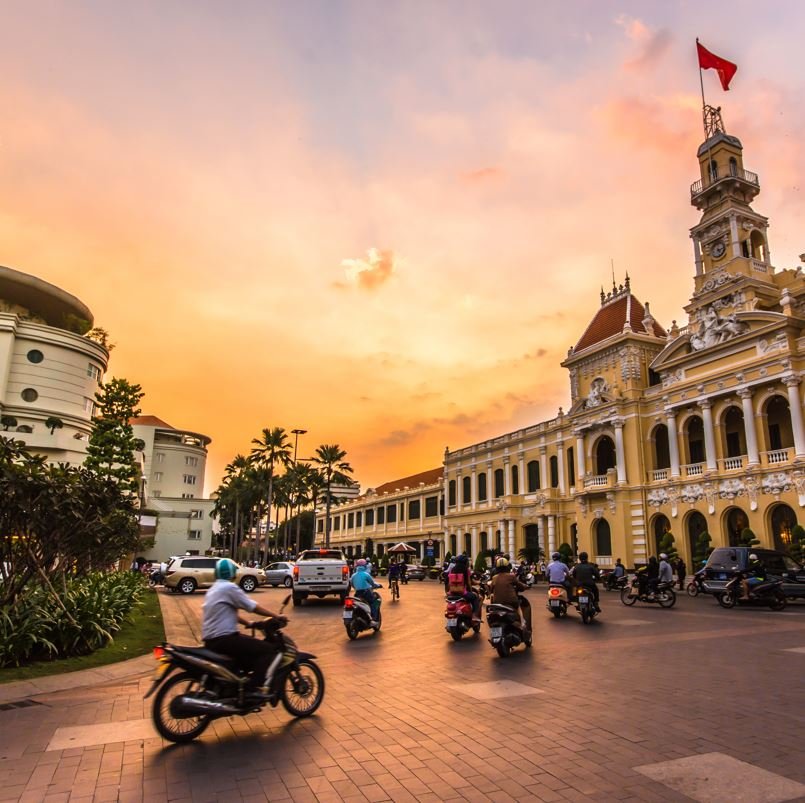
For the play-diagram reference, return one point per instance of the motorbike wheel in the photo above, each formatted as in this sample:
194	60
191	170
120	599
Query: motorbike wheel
303	690
626	597
692	589
585	616
777	602
352	630
557	612
726	599
456	633
667	599
170	728
503	649
476	628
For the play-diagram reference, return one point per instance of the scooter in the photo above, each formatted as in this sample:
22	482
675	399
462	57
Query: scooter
696	585
557	600
769	592
197	685
612	583
358	617
458	617
664	596
585	605
506	630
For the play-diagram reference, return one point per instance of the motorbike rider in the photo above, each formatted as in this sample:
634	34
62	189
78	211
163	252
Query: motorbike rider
505	587
459	583
365	585
219	627
394	572
585	575
619	570
665	574
557	573
756	574
403	572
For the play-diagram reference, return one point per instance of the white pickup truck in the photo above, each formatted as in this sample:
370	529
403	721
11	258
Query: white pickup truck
320	572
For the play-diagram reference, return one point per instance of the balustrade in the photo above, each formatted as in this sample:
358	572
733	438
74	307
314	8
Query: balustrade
694	469
596	481
659	474
732	463
777	456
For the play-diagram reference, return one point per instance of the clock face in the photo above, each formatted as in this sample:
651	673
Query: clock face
718	250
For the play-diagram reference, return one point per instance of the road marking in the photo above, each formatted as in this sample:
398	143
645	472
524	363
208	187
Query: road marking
719	778
103	733
495	689
794	649
630	622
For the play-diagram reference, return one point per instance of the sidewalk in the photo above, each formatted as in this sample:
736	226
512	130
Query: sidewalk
178	627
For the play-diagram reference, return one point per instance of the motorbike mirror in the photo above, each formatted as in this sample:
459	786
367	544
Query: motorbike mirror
285	603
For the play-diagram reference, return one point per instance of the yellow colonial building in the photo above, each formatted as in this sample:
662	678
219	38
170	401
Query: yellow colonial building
690	429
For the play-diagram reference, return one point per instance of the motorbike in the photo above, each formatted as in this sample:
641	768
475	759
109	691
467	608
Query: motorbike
458	617
195	686
506	631
358	617
585	605
156	578
612	583
557	600
769	592
696	585
665	596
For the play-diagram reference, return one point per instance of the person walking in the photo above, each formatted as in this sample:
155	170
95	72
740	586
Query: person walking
681	572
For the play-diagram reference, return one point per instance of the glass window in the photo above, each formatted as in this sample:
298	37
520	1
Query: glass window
196	514
413	509
466	490
157	476
370	518
533	475
156	494
431	506
337	523
189	479
554	462
359	518
451	493
350	521
391	514
35	356
29	395
94	372
191	461
482	487
498	482
381	515
515	480
159	457
194	535
571	467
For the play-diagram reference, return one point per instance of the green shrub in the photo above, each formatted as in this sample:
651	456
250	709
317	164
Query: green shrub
566	552
666	545
747	538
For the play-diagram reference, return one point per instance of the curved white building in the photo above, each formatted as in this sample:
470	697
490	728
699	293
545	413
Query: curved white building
48	368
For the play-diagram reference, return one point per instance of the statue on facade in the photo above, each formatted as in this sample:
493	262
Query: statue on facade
596	395
714	330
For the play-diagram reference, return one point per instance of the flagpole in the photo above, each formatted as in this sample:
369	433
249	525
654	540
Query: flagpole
704	116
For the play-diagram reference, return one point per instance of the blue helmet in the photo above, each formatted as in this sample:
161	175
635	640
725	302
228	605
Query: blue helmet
225	569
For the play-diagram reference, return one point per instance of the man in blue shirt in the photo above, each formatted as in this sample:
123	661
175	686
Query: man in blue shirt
364	585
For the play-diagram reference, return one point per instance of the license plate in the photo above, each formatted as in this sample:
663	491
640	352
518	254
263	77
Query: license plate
162	668
721	576
496	632
347	614
555	603
452	622
583	600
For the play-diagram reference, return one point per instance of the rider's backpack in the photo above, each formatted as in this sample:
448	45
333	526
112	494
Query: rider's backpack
456	583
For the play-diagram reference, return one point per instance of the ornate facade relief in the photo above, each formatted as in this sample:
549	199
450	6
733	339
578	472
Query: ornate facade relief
659	496
729	489
611	502
718	279
598	389
630	362
672	377
673	498
710	494
598	512
714	329
775	484
777	343
691	494
582	503
799	482
752	488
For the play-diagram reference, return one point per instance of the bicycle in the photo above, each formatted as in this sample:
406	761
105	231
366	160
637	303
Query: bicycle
394	587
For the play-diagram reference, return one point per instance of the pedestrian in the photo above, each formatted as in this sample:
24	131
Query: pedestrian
681	571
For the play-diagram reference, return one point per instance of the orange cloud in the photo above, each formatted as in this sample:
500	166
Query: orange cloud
372	272
482	174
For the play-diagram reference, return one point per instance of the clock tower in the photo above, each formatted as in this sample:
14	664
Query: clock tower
730	242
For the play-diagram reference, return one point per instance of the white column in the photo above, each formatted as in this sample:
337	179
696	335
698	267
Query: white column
551	534
512	554
474	542
446	492
697	256
560	465
620	455
490	484
749	426
422	511
507	477
792	383
473	488
580	461
673	441
543	535
736	246
544	476
709	434
521	475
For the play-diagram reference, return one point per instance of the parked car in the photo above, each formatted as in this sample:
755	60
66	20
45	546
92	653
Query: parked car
187	573
725	561
280	574
415	572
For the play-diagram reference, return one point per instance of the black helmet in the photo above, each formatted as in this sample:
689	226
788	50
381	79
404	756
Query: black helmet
583	556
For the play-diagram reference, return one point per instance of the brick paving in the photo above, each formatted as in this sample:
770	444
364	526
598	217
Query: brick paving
691	681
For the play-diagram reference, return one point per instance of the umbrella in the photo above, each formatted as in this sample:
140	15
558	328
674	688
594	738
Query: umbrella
400	548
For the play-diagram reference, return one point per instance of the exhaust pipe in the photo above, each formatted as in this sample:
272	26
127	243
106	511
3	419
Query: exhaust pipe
185	707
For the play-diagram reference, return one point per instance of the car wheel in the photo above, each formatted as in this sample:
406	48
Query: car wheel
297	600
187	586
287	582
248	584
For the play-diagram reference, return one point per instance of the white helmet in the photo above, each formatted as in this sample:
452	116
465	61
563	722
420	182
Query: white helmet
753	556
663	556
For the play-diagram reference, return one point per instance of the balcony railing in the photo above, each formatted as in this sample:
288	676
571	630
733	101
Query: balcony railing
732	463
777	456
660	474
700	186
759	266
596	481
693	469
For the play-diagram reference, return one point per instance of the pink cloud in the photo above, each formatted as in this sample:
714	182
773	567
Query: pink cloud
372	272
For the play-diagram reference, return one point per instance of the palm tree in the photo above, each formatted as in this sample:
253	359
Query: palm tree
271	449
8	421
306	484
230	504
334	469
54	423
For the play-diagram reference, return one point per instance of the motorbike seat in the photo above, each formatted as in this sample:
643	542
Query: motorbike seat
499	608
454	597
209	655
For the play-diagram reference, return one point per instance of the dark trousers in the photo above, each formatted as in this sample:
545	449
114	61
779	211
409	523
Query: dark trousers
682	576
250	654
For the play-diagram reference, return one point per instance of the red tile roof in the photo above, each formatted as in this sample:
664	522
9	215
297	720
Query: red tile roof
428	477
149	421
610	319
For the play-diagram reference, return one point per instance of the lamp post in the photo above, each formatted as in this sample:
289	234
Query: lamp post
297	433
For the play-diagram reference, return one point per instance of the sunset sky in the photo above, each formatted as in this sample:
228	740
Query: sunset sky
383	222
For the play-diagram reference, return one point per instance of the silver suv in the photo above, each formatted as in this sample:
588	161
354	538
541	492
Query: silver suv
187	573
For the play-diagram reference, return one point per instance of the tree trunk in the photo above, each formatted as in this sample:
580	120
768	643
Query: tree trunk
327	515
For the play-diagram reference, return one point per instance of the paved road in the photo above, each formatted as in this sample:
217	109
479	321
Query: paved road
706	702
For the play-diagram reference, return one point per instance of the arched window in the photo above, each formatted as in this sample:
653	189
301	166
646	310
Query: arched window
736	521
713	170
482	487
532	543
453	546
571	467
734	433
662	454
498	482
783	521
757	244
604	455
533	475
515	481
554	468
451	494
778	423
603	538
466	490
733	166
468	544
694	434
484	542
696	524
661	526
498	541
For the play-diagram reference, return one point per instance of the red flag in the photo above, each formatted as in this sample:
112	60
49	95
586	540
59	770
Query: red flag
709	61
